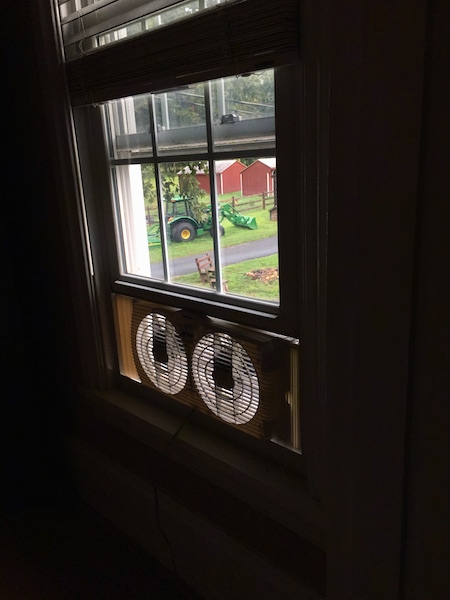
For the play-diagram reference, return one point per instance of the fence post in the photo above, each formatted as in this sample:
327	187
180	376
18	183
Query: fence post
264	200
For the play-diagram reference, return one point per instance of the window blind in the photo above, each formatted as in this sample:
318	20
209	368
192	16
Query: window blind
230	39
85	22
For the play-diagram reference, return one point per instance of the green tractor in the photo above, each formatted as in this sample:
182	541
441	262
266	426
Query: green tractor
186	219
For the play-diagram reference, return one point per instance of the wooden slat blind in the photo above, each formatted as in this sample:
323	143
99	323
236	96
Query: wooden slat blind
78	26
86	28
236	38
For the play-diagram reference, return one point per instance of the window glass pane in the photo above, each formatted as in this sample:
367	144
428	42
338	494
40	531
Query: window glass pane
139	226
188	214
154	238
243	110
249	247
129	127
181	121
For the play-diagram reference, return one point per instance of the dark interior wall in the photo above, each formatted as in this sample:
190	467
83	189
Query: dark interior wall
35	339
427	526
388	303
375	112
34	386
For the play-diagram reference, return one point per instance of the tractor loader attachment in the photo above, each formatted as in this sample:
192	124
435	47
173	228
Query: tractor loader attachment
230	213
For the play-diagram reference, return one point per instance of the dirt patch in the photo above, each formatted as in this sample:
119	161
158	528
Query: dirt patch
264	275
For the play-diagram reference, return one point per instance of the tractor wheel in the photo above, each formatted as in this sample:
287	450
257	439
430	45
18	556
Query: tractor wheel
183	232
221	231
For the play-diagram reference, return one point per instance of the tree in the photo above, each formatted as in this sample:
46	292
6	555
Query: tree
148	183
250	96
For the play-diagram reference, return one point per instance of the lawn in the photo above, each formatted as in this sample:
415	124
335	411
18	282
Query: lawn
240	284
233	236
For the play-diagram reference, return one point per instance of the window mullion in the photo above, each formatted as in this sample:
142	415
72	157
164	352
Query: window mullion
161	215
212	181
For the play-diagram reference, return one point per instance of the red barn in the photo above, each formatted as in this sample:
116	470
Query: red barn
258	177
227	176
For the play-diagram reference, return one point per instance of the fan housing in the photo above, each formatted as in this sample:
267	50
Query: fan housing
233	374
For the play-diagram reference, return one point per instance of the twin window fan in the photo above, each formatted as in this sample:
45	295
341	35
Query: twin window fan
244	378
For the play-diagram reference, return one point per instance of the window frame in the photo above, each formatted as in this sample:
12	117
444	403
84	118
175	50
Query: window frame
282	319
207	154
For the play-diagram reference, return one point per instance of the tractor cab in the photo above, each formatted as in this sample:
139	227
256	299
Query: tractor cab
178	206
183	224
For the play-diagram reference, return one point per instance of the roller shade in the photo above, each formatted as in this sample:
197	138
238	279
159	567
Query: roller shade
244	36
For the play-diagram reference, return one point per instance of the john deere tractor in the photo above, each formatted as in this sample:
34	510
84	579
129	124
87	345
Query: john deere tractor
186	219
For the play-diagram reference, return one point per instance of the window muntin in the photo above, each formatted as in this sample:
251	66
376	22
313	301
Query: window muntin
201	181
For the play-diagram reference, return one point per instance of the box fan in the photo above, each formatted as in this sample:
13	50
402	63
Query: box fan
242	377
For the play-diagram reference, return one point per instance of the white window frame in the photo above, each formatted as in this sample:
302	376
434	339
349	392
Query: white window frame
124	274
267	316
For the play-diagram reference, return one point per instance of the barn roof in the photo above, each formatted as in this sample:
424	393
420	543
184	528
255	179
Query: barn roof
271	163
221	166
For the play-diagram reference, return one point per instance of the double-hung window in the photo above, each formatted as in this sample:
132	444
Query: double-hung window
194	177
188	120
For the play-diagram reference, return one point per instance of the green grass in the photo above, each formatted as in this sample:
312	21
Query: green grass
233	237
241	285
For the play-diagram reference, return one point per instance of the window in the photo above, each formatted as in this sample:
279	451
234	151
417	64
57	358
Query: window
193	172
189	155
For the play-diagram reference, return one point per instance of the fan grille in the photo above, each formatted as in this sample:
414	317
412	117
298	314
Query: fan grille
234	402
167	369
229	373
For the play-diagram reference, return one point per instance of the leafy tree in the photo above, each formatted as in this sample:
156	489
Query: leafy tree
250	96
141	113
247	161
148	183
179	179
